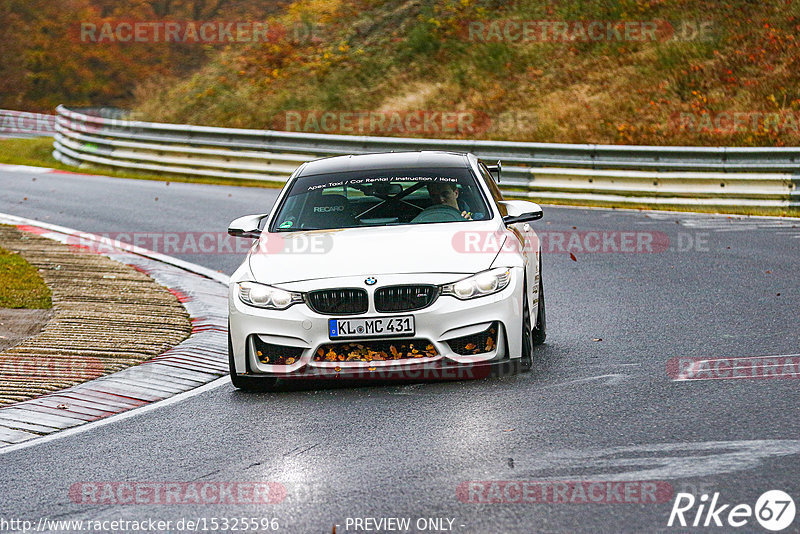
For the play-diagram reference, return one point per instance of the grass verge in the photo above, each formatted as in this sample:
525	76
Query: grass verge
20	283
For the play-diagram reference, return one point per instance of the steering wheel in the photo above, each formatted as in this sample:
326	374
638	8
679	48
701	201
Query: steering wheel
439	213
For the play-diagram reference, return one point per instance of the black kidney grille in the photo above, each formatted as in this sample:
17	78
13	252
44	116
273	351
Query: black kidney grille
405	298
338	301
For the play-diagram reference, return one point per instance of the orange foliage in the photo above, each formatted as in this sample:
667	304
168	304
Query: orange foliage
45	62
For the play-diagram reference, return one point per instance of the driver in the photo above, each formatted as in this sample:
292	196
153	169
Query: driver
446	194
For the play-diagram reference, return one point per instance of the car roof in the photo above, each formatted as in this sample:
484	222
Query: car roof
427	159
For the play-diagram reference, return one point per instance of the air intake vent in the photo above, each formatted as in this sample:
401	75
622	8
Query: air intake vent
480	343
275	354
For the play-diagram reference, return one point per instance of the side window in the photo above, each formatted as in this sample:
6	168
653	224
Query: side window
492	185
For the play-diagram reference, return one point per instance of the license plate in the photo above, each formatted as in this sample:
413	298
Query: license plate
371	327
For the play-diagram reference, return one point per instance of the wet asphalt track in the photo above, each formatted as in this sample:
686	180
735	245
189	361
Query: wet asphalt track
590	410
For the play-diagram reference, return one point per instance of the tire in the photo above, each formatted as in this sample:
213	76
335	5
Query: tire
247	383
540	330
526	360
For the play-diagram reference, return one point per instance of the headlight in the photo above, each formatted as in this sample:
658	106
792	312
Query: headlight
264	296
479	285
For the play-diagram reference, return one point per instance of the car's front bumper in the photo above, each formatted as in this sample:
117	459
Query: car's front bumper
447	318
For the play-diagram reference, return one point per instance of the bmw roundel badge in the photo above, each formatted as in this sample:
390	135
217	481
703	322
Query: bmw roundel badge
371	281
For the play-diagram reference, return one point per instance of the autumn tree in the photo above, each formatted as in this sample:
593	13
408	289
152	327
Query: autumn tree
44	61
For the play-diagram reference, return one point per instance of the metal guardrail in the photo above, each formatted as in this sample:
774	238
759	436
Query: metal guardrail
637	175
25	124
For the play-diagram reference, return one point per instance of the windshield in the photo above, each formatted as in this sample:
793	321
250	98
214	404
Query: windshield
380	198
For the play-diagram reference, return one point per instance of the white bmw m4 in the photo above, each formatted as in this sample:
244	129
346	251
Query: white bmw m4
389	266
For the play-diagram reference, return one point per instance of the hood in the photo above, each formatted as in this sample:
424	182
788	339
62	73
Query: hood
430	248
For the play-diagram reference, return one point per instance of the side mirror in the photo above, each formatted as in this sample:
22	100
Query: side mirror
496	169
520	211
246	226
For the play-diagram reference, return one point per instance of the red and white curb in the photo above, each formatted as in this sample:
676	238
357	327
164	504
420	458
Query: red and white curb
198	360
27	169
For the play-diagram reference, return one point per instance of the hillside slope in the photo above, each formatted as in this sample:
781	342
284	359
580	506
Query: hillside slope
619	71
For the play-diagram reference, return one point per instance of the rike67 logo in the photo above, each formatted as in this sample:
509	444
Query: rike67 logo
774	510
